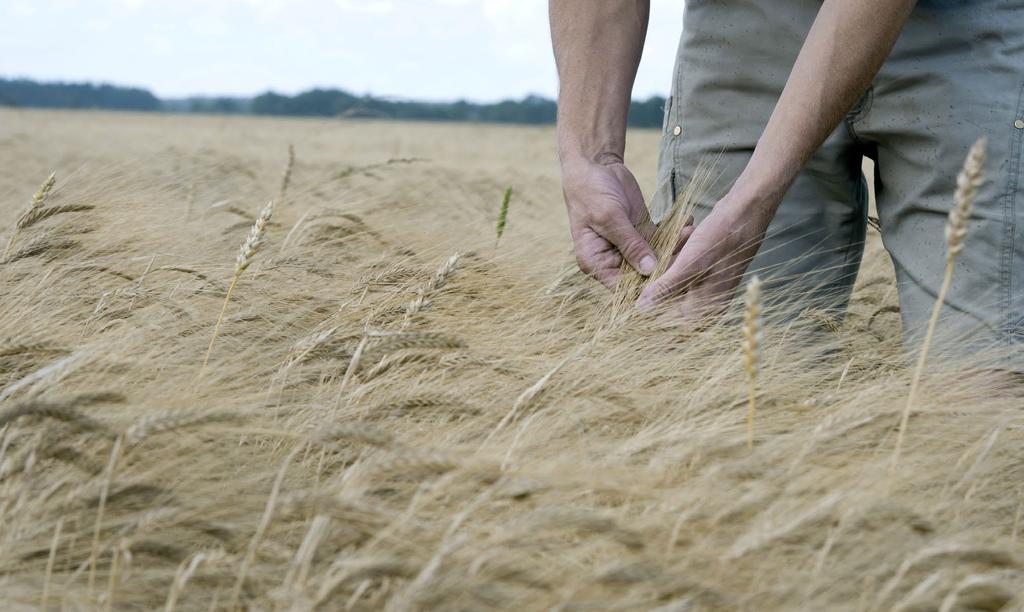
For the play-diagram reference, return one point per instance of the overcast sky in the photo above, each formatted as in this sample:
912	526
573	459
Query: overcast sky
428	49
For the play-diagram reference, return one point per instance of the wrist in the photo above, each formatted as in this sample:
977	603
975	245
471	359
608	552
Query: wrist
759	188
574	151
590	135
751	201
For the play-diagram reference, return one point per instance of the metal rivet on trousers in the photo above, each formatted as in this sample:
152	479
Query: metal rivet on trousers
679	130
1019	124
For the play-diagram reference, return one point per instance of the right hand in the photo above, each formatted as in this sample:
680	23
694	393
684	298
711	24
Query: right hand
607	218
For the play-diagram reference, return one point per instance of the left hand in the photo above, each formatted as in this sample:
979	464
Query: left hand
708	268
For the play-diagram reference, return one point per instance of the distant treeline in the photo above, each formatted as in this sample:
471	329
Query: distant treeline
313	103
22	92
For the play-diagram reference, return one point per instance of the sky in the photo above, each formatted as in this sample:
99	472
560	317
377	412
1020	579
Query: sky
480	50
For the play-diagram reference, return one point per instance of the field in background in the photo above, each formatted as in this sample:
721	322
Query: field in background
399	414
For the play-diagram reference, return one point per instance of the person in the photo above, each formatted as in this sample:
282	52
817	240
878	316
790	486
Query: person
787	97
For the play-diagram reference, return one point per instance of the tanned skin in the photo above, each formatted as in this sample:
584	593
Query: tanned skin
597	46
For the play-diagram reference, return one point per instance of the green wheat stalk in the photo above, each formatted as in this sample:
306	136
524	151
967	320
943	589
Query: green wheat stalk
502	216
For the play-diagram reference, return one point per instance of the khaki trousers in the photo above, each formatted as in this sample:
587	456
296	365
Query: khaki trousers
956	73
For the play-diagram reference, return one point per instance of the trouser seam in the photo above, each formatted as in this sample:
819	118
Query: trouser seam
1009	206
675	146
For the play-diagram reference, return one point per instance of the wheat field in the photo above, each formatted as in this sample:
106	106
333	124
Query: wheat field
400	413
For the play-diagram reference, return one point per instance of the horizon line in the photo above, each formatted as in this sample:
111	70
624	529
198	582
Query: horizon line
250	96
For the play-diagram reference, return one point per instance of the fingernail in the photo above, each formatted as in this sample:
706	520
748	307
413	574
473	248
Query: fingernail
644	303
647	265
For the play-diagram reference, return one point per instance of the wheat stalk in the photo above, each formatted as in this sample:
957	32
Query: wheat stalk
261	529
50	562
32	217
439	279
752	340
34	205
62	412
160	422
56	370
245	256
663	241
14	347
115	454
354	433
185	571
286	176
967	183
38	246
502	216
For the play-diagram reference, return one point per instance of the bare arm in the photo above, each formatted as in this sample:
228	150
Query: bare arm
597	46
843	52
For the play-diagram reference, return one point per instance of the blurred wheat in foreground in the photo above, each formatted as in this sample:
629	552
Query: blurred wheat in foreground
395	416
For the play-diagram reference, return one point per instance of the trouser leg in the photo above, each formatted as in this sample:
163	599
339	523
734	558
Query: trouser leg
956	74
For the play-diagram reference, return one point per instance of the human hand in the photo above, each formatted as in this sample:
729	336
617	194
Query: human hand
607	218
711	261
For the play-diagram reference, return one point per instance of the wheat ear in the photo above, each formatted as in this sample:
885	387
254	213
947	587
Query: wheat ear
502	217
967	184
437	281
286	176
33	207
246	253
752	339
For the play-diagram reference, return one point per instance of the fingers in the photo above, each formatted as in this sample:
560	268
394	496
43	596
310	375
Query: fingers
703	305
606	208
685	271
629	226
619	231
598	258
636	210
609	277
643	224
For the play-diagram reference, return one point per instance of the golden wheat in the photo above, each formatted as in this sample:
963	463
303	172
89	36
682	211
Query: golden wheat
753	339
663	240
507	444
286	175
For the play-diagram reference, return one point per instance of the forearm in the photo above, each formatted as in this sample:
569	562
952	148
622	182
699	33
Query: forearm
597	46
843	52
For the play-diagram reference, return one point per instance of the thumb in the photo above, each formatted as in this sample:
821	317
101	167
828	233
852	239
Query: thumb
681	275
634	248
